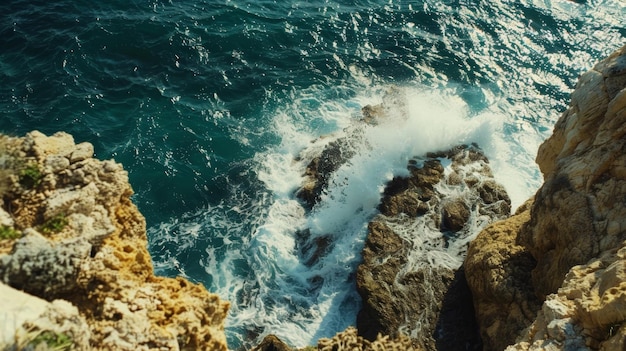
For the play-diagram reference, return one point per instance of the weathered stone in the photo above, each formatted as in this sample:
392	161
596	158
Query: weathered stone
320	169
6	219
575	233
455	214
405	282
348	340
56	163
272	343
93	254
41	267
81	152
24	317
498	272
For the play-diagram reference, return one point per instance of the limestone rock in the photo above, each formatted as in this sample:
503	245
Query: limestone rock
25	317
41	267
576	214
348	340
81	152
557	275
84	242
498	271
587	312
410	280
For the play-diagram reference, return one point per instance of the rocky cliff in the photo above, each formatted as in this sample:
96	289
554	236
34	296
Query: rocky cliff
75	246
554	276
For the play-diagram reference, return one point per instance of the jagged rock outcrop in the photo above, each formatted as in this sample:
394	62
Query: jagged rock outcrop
321	167
575	232
410	279
74	237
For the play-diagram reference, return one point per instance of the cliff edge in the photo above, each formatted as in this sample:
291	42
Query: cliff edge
553	277
73	256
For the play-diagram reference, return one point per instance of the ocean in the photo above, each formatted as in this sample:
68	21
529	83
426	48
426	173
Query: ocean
212	105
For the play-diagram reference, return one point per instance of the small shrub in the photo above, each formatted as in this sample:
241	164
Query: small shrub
9	233
30	176
54	224
54	341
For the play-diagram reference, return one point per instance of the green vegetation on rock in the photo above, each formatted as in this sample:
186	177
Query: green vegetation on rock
54	224
54	341
30	176
9	233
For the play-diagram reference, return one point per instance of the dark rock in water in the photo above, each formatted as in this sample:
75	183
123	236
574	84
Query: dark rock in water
411	280
404	202
272	343
311	249
320	169
455	214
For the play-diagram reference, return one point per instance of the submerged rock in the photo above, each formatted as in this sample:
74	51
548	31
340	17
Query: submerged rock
76	239
561	284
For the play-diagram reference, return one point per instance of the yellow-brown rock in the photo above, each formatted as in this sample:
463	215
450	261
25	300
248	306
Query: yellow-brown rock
580	210
573	238
82	240
498	272
349	340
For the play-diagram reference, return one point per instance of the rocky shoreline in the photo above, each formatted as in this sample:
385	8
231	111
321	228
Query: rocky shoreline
76	274
561	284
76	244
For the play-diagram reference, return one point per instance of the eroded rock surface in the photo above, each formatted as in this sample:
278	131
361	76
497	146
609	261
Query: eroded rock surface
350	340
572	240
410	279
82	243
498	270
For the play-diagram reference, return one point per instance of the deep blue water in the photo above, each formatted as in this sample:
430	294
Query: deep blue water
207	103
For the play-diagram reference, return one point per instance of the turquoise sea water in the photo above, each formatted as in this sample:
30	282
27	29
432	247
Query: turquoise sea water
208	103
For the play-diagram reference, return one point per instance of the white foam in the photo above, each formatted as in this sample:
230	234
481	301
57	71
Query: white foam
255	260
419	121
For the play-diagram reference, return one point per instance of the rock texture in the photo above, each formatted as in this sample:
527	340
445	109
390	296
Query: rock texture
350	340
570	246
82	243
498	271
410	279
